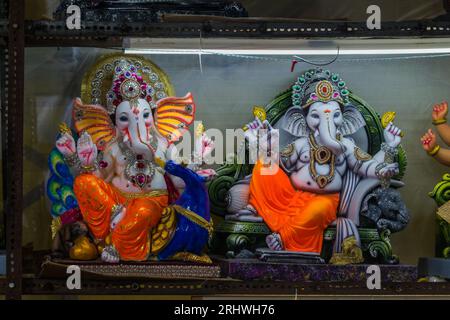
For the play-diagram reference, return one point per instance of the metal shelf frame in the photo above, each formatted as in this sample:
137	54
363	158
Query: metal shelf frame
230	287
16	34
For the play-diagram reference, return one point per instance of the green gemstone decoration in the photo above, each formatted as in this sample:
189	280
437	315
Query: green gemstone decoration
335	77
341	84
301	80
345	92
296	96
297	88
308	75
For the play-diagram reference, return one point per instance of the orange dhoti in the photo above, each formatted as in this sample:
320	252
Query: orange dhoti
299	217
130	237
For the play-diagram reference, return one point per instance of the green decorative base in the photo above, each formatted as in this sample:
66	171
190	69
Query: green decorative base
376	246
231	237
443	238
441	194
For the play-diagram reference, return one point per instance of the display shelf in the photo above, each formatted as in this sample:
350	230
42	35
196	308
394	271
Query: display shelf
53	33
33	286
328	280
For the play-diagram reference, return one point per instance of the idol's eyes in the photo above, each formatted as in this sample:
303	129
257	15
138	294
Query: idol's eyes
314	115
123	118
146	115
337	114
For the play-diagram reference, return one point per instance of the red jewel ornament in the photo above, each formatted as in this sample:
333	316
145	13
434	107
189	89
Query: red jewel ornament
141	179
140	165
103	164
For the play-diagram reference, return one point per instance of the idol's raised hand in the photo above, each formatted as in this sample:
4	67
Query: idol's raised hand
440	111
66	145
87	150
428	141
392	135
205	146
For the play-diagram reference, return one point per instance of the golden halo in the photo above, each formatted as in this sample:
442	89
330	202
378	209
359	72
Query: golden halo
97	81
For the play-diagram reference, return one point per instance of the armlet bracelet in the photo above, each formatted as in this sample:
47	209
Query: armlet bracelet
91	168
378	169
435	150
439	121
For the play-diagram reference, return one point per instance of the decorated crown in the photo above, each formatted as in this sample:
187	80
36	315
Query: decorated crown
318	85
128	85
116	78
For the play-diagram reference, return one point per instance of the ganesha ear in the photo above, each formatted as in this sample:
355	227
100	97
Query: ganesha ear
353	121
94	120
174	116
294	122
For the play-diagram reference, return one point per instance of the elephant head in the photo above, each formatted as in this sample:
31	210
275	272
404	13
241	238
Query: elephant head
137	112
321	107
324	120
137	127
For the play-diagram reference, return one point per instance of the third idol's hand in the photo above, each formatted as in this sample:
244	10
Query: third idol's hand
440	111
428	141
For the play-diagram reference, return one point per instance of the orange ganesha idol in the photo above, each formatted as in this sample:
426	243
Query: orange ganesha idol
125	188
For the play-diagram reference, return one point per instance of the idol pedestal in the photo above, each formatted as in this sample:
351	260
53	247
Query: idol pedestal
254	269
97	269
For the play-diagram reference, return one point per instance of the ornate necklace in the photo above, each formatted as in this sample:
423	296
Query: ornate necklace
321	155
138	170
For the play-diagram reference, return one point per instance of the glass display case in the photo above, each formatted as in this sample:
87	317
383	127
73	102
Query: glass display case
127	152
